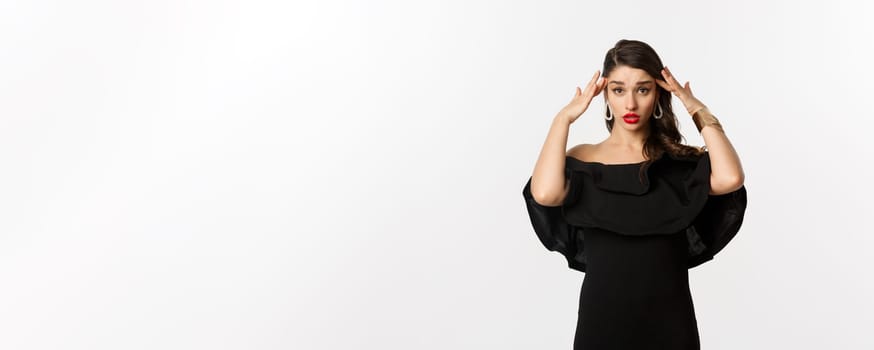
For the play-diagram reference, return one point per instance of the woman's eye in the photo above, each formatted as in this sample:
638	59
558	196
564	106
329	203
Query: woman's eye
644	90
617	90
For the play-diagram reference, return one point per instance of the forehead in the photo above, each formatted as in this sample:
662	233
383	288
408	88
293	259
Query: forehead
628	75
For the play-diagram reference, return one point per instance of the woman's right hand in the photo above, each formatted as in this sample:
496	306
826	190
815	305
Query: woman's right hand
581	99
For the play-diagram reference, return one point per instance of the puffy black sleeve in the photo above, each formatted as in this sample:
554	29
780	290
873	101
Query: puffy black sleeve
553	230
717	223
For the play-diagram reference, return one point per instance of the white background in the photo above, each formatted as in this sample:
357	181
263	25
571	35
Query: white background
348	175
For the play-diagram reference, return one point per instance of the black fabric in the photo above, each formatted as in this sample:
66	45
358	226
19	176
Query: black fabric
636	294
635	237
673	196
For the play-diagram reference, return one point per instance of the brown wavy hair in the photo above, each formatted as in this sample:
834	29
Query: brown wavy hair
664	134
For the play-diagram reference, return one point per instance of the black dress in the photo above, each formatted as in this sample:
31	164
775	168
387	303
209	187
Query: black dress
641	233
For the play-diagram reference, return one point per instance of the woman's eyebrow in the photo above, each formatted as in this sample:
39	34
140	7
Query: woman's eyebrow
638	83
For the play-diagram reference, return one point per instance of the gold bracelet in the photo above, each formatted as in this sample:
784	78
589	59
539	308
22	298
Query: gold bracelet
702	117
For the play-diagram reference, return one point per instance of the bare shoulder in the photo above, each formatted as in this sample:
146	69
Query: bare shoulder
582	151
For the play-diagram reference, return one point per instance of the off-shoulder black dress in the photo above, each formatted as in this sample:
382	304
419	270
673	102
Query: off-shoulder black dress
635	237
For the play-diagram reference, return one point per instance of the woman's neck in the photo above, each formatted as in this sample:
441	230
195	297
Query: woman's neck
627	140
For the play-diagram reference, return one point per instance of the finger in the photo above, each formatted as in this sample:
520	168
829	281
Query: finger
601	84
596	89
673	81
579	92
593	80
688	87
669	83
670	77
594	77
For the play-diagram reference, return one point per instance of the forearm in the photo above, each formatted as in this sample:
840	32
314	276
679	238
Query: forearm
548	180
726	172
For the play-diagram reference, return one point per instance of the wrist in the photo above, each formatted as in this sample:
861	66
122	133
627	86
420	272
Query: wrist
693	108
703	118
692	104
563	118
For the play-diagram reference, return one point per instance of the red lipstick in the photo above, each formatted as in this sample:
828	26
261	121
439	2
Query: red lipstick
631	118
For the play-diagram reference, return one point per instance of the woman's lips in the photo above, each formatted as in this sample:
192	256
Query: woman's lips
631	118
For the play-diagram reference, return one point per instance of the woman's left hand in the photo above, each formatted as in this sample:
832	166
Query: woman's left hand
684	93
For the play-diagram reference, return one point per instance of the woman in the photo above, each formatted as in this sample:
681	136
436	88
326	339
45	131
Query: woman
637	210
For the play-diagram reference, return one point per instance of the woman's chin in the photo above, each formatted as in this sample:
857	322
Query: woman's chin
635	125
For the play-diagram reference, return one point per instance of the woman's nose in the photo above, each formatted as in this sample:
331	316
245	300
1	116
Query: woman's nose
630	103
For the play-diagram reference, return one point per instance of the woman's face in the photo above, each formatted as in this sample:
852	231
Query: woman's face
632	95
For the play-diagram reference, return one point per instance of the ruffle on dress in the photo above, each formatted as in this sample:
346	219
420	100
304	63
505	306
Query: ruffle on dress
671	196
